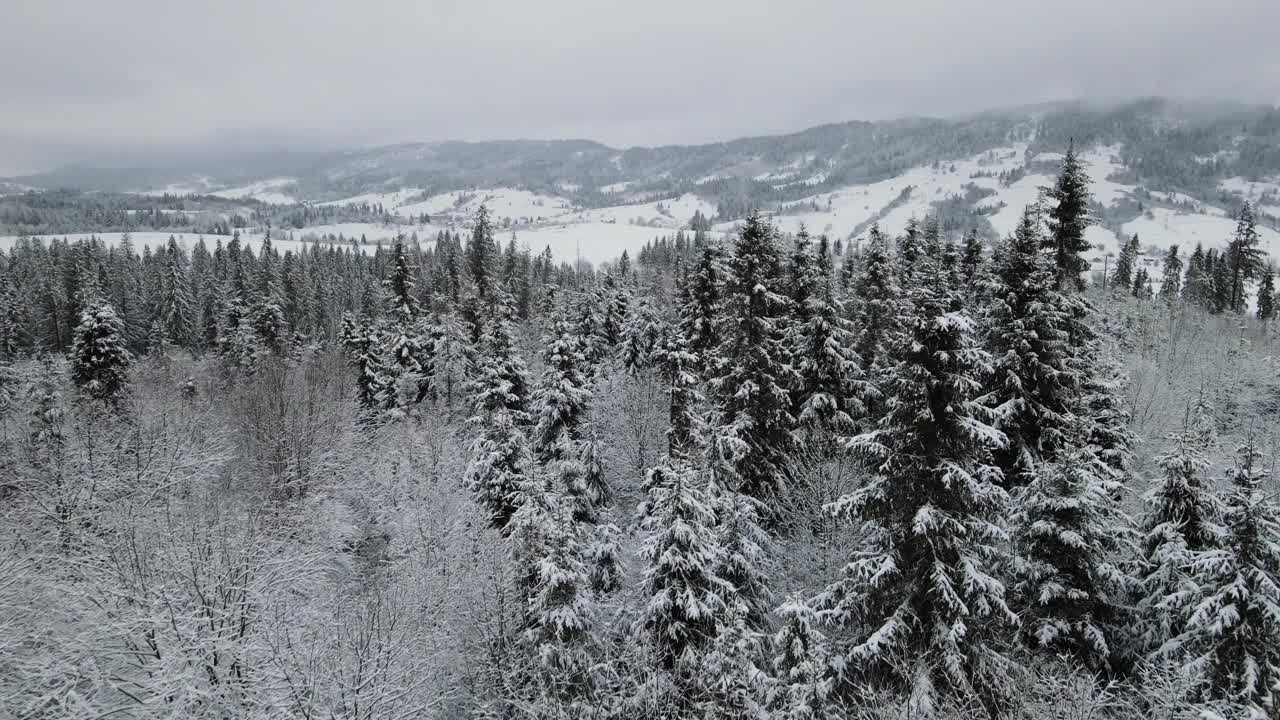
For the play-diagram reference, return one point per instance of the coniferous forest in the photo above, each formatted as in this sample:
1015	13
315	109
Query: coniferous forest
767	475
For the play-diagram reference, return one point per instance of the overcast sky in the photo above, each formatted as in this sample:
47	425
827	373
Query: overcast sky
79	76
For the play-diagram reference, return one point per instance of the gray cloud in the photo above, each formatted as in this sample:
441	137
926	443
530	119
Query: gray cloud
81	75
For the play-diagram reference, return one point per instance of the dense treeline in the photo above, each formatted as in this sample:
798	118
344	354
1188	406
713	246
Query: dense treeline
46	212
756	478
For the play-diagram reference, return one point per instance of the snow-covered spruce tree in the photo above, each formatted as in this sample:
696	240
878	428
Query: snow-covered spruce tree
877	311
1033	383
558	627
1232	636
1267	295
801	670
99	359
500	459
1141	282
615	302
910	249
481	255
1122	276
680	367
1171	279
751	370
1181	518
747	547
562	396
700	303
1067	589
403	346
921	584
360	340
830	392
801	276
641	337
735	686
971	262
175	306
681	551
1245	260
1195	282
1068	219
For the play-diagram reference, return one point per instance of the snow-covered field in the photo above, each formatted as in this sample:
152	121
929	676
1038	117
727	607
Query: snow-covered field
595	242
519	206
267	191
1165	227
671	214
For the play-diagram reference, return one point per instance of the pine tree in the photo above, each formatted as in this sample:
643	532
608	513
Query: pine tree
559	623
409	361
1232	635
910	248
641	337
701	303
876	314
1033	383
1068	219
360	340
1195	286
99	359
680	368
1122	278
1141	282
685	596
800	665
501	461
480	256
1171	281
920	586
1181	519
971	261
1267	295
1219	282
1069	592
751	369
175	309
562	396
830	391
736	688
1244	259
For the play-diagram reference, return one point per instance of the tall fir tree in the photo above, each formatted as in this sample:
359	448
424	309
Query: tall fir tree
1267	295
971	261
1033	382
1195	284
1068	590
1122	277
1068	219
922	584
501	460
1232	635
876	312
751	369
1171	279
1181	517
99	359
1244	259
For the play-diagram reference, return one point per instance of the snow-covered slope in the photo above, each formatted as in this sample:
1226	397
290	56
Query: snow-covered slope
267	191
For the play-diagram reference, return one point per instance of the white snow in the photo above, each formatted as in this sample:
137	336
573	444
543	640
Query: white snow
673	214
266	191
616	187
1251	189
519	206
1166	227
389	200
